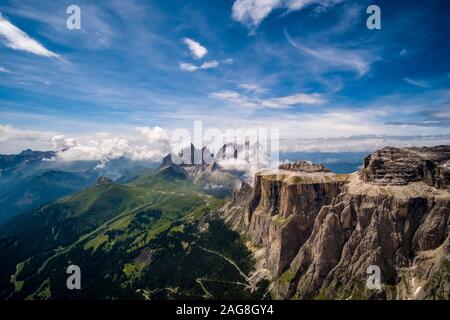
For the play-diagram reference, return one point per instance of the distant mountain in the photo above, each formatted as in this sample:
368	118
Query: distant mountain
40	189
20	165
27	157
338	162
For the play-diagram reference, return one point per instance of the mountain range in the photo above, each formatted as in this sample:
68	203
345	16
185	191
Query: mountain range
199	231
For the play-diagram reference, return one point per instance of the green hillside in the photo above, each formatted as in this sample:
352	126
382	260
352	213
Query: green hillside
152	238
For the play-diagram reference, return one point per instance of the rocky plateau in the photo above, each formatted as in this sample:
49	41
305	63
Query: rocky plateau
315	233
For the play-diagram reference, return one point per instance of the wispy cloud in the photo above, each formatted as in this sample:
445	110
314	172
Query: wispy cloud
206	65
253	12
356	60
251	87
197	50
295	99
228	61
4	70
285	102
364	143
16	39
417	83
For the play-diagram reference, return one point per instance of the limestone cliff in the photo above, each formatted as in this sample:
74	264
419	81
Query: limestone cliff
321	231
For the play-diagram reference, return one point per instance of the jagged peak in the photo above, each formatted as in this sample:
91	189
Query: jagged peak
167	161
172	171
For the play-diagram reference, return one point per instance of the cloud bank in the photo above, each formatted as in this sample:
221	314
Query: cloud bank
152	145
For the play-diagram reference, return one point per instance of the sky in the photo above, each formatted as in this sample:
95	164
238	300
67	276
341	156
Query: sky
137	70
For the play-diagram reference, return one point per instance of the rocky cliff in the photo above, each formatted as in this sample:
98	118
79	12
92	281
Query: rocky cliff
318	232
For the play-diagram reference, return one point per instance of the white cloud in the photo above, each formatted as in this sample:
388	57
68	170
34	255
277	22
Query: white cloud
253	12
226	95
155	134
272	103
60	142
228	61
16	39
365	143
296	99
97	150
188	67
251	87
197	50
209	64
300	4
156	139
152	145
417	83
356	60
442	114
206	65
4	70
233	97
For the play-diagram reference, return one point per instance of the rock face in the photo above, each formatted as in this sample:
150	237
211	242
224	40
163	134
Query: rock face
279	212
321	231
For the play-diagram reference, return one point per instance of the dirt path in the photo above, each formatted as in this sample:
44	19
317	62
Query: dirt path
250	284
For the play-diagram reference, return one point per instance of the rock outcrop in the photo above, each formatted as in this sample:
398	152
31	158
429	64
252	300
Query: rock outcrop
321	231
103	181
394	166
303	166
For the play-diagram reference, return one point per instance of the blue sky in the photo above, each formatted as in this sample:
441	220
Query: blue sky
310	68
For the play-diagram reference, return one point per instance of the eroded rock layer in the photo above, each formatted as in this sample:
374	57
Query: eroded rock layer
303	166
394	166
